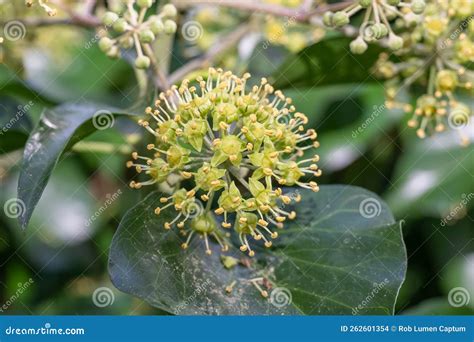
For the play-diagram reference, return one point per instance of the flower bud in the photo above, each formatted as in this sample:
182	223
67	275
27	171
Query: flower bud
109	18
157	26
395	42
170	27
393	2
126	42
142	62
418	6
358	46
105	44
411	18
204	224
147	36
120	25
327	18
340	19
144	3
383	30
365	3
230	199
114	52
169	10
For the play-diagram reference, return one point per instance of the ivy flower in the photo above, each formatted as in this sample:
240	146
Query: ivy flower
227	149
379	17
439	56
133	29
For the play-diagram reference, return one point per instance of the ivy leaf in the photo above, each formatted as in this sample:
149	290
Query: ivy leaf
57	131
343	254
12	85
433	175
14	124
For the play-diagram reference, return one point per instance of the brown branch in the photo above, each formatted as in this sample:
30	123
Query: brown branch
161	80
219	47
85	21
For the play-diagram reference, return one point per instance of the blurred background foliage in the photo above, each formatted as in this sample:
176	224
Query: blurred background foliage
423	181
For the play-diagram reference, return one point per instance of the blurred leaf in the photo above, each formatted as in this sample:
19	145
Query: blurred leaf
328	261
326	62
58	130
14	124
88	74
12	85
432	177
458	280
437	307
54	241
344	140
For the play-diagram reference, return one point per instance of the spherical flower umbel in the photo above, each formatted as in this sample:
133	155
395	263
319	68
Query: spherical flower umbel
379	17
133	29
228	151
439	56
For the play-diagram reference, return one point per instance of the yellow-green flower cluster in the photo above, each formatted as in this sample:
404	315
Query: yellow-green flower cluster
227	150
273	30
133	28
378	19
43	4
439	55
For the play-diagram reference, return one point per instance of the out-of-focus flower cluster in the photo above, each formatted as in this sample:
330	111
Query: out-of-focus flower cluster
278	31
381	19
132	28
438	55
43	4
226	149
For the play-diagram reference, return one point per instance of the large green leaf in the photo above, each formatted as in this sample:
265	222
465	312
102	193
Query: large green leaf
58	130
349	119
14	124
11	84
83	72
337	257
433	177
327	62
